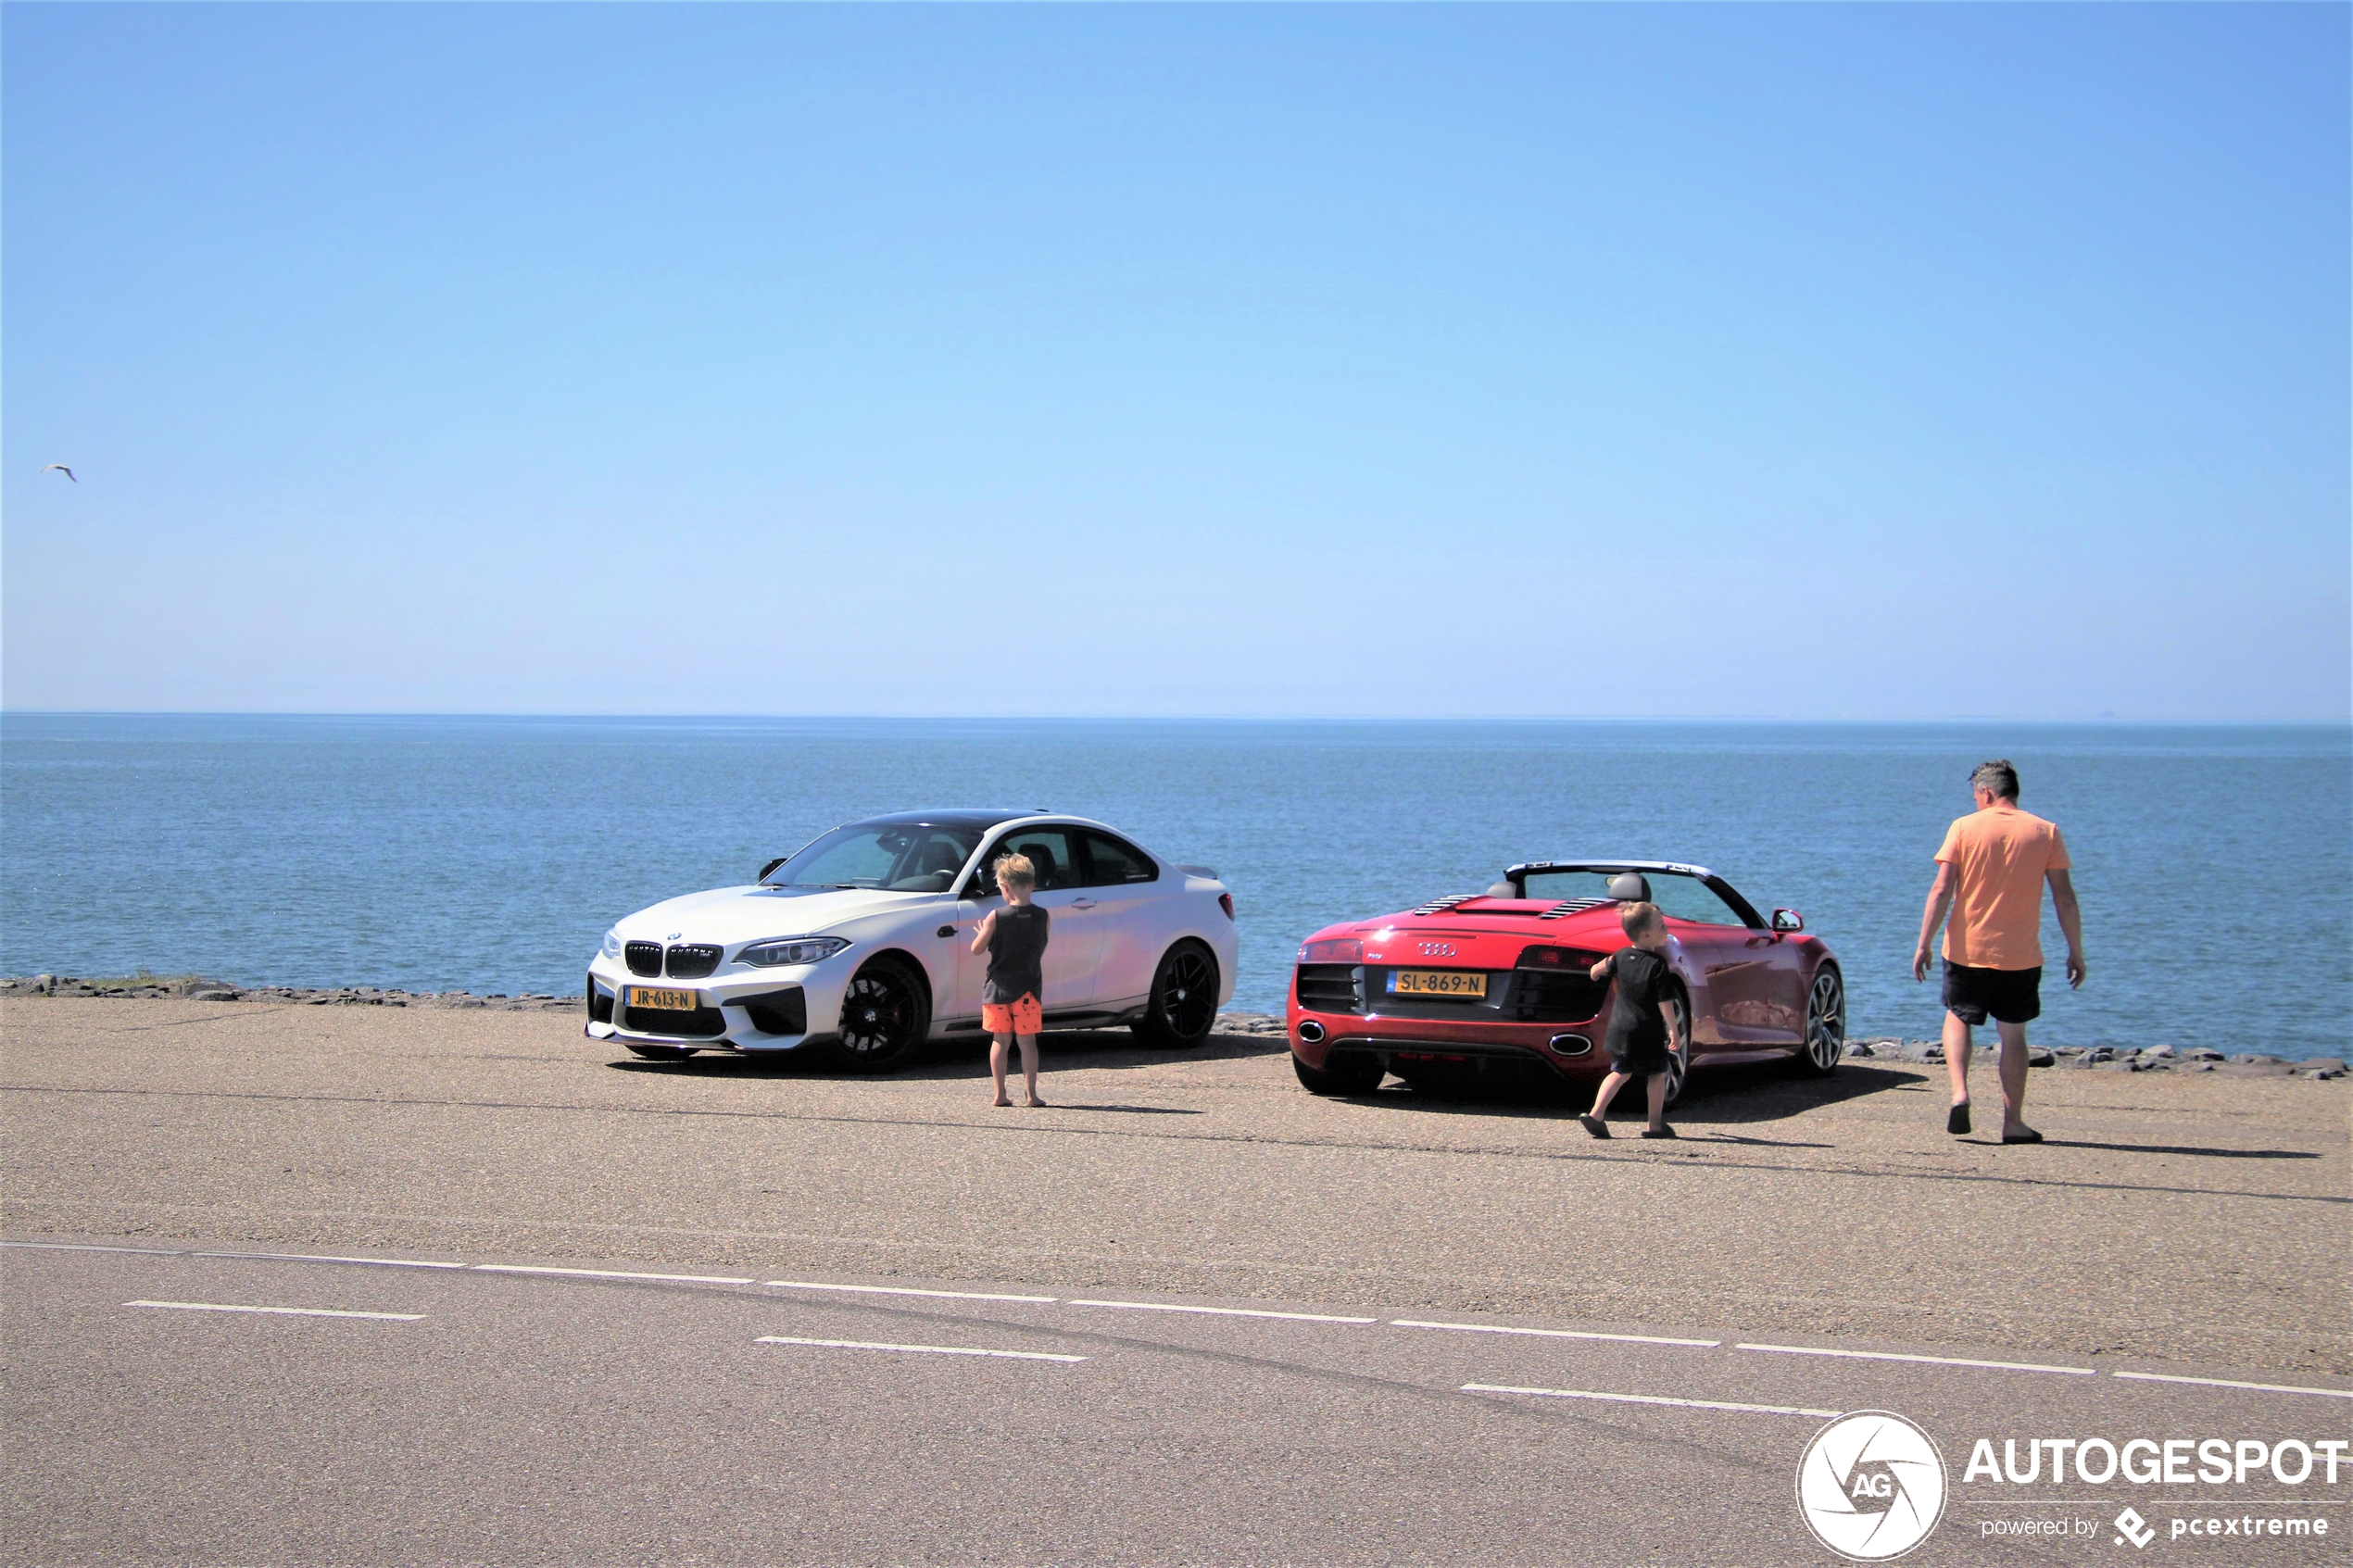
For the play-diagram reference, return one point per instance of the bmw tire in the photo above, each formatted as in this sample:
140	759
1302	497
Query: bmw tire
1183	1007
886	1014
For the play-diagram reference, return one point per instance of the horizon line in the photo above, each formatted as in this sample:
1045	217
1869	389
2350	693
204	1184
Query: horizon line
7	712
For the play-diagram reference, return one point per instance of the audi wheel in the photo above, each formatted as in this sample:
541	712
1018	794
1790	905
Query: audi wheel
1343	1076
1678	1050
1825	1024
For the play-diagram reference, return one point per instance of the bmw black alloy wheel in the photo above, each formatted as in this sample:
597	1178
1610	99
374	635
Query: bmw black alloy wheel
1184	999
1825	1021
883	1017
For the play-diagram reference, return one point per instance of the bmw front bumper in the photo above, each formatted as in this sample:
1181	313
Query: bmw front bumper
739	1008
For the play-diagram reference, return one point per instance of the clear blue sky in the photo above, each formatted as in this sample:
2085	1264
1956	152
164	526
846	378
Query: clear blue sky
1857	361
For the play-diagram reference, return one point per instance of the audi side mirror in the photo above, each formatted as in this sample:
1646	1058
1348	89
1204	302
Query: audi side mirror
769	867
1788	921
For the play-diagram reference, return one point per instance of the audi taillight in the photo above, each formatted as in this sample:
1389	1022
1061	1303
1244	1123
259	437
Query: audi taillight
1346	949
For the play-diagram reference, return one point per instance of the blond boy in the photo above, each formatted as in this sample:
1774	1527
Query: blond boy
1015	939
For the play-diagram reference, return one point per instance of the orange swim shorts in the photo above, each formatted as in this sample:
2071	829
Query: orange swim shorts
1020	1016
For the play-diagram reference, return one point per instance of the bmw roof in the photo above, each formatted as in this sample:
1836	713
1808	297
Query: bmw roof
957	815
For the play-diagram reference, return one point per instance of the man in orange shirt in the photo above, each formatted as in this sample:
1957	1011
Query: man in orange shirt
1989	876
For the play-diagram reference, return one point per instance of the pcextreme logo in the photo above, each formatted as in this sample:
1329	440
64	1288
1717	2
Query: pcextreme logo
1871	1485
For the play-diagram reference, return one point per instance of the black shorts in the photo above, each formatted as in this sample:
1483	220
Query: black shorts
2008	996
1639	1058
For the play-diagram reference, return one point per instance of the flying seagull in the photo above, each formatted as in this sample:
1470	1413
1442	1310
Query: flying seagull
63	469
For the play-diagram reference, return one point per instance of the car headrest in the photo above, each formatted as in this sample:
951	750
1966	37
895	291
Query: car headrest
1503	890
1630	887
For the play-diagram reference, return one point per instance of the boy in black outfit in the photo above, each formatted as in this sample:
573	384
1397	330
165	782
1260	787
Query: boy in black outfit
1640	1027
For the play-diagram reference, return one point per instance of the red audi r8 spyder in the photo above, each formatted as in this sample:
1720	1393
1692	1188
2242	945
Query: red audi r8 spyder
1465	984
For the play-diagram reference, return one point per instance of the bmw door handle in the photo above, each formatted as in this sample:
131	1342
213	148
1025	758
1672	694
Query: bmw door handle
1082	903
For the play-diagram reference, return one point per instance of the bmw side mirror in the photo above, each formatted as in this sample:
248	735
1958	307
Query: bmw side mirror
1788	921
769	867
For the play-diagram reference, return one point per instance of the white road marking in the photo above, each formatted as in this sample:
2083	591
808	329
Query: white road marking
282	1312
316	1257
1645	1399
79	1246
901	1290
2226	1382
1553	1332
1219	1312
607	1273
914	1349
1933	1360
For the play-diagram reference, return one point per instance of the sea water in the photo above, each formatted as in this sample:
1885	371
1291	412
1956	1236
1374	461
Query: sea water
490	854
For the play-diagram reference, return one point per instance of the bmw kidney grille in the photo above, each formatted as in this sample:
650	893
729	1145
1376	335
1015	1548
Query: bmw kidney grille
692	960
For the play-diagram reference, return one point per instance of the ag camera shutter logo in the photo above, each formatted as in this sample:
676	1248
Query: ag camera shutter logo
1871	1485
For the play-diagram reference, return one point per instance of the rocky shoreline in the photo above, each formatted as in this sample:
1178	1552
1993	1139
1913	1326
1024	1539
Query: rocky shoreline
196	988
2098	1059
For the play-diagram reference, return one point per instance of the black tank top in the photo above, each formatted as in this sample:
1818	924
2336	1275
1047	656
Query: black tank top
1017	949
1634	1023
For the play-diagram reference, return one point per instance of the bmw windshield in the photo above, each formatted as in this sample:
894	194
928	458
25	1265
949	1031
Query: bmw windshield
894	857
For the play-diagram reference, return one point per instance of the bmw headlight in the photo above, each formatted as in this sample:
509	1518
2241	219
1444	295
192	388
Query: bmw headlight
612	943
790	950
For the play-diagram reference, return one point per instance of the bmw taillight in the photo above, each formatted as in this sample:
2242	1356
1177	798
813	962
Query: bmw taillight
1345	949
1225	902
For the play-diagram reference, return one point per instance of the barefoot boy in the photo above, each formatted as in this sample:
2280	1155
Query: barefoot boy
1641	1028
1015	939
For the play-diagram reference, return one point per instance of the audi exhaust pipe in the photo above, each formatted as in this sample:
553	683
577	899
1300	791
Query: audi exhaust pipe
1312	1032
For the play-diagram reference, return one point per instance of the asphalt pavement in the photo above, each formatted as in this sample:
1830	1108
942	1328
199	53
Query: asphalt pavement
545	1305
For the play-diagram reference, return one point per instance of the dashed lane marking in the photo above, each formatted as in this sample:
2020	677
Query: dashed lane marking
607	1273
903	1290
916	1349
1645	1399
278	1312
1134	1306
1554	1333
1219	1312
317	1258
84	1246
2226	1382
1933	1360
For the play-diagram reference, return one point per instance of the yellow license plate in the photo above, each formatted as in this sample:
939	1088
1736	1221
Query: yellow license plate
665	1001
1466	984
